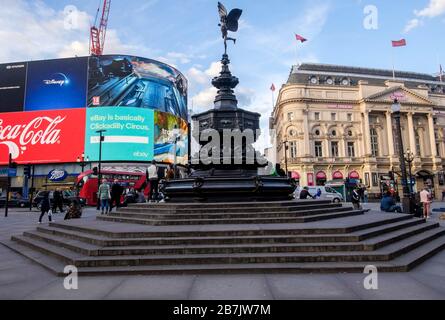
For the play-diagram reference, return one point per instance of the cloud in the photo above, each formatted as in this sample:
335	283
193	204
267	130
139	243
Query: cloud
412	24
197	76
435	8
204	99
32	30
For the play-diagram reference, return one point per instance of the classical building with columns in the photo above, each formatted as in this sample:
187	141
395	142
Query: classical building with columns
336	122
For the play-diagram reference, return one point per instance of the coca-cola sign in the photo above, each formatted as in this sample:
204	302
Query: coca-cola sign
42	137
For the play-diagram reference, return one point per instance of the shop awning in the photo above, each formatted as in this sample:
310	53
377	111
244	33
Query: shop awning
337	175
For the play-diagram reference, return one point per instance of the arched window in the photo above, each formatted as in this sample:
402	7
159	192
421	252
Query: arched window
374	143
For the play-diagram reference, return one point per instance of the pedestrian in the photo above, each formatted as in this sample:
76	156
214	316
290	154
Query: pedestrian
305	194
140	197
74	211
356	199
425	199
388	204
104	197
116	194
365	196
45	207
58	201
154	181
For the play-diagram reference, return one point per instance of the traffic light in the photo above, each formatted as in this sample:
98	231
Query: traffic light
95	171
27	171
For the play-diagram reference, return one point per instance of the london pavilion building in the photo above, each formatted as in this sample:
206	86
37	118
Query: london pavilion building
337	124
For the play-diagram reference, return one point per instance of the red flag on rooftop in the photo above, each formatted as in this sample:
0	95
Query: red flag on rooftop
272	88
300	38
399	43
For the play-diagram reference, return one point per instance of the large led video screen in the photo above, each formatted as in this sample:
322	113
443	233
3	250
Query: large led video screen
56	84
127	81
167	130
12	86
53	136
128	136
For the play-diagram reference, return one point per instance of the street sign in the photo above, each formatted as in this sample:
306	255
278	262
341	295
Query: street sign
12	172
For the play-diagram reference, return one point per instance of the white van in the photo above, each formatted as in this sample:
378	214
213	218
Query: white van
327	193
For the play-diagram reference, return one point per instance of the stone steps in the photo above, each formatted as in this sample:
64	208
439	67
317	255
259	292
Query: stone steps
205	206
387	253
208	216
160	222
160	209
94	250
403	263
223	240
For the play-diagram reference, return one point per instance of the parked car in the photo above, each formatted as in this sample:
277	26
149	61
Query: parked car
15	201
68	197
327	193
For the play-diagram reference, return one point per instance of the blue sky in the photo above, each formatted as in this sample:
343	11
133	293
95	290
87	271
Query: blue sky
185	33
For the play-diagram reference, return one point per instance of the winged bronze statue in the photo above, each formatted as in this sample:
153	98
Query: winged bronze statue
229	22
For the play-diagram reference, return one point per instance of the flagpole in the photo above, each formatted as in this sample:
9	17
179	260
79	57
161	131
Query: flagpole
393	66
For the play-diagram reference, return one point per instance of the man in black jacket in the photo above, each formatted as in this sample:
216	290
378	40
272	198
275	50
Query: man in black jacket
116	193
58	201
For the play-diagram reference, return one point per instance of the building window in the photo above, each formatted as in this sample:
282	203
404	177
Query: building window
418	148
290	116
375	180
317	116
292	133
438	153
333	116
318	149
334	133
317	132
349	117
350	133
351	150
293	149
334	149
374	143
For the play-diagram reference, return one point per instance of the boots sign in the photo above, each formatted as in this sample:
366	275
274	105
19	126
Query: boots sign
57	175
51	136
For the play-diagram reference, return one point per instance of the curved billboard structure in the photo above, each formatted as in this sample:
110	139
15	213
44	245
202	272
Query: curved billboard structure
51	110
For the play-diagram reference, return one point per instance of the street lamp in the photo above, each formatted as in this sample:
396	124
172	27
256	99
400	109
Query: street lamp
396	108
409	158
101	139
82	161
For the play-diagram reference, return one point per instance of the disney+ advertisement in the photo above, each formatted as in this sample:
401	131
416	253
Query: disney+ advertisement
56	84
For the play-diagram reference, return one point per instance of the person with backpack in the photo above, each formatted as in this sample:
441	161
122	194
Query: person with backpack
356	199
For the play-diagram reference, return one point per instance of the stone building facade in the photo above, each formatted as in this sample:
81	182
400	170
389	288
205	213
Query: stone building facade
337	124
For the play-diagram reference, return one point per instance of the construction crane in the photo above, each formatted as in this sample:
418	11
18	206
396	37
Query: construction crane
98	33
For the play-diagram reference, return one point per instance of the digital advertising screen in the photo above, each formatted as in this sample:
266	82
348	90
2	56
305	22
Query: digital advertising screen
169	129
56	84
12	86
50	136
127	81
128	136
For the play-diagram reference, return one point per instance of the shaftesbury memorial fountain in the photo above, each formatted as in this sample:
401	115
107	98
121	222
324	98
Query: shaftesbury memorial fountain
226	167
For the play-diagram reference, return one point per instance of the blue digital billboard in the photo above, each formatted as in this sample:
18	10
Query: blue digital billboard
56	84
128	81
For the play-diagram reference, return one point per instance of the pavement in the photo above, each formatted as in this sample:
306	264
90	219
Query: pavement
20	279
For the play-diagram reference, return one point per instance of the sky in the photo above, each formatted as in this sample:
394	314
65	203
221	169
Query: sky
185	34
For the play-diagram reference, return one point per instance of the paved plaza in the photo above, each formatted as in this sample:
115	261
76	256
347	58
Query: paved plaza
22	279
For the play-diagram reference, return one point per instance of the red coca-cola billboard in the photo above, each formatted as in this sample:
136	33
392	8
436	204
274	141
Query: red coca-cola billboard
51	136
